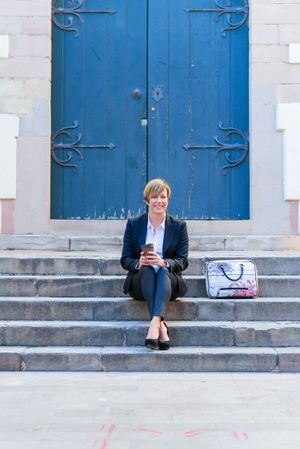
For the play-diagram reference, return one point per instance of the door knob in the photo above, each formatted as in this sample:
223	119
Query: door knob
137	94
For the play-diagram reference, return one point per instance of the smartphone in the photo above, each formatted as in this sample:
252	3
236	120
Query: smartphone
147	247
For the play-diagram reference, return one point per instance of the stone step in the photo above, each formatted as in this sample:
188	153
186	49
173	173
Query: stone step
112	286
122	333
113	242
184	359
110	309
279	263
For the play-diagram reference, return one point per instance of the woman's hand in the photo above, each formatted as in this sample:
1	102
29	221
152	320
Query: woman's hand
143	262
152	258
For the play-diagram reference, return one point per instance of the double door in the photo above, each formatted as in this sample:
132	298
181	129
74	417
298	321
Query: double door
144	89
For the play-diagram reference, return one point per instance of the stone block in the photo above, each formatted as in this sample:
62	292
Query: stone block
31	45
289	33
275	14
201	334
41	112
288	360
188	360
34	163
264	34
11	358
94	243
92	286
269	53
216	310
24	88
279	286
25	67
111	267
33	333
10	25
19	8
268	334
267	310
289	93
34	242
62	359
37	309
36	25
17	286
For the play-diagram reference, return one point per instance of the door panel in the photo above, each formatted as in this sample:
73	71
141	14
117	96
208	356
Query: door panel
97	66
203	73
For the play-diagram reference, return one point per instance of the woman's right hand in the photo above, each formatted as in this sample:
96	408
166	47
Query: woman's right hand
143	261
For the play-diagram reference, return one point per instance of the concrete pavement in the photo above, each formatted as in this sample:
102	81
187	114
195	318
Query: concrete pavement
149	411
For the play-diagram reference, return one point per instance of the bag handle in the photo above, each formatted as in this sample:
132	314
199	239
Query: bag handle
229	278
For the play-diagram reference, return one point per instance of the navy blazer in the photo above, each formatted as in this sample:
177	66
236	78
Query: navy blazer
175	248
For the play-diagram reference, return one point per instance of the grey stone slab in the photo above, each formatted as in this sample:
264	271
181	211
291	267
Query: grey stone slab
46	309
191	334
88	286
189	360
49	265
288	360
80	265
279	286
95	243
62	359
267	334
11	358
268	309
34	242
216	310
18	286
49	333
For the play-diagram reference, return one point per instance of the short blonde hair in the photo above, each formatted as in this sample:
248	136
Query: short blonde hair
155	187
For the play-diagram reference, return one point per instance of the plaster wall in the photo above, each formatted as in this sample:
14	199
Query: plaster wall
25	91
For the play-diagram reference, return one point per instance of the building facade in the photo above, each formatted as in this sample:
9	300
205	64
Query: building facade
36	42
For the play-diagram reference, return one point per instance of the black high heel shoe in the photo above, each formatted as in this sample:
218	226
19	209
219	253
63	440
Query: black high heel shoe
151	343
164	345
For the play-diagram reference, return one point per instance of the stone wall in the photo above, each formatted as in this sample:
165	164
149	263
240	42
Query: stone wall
25	73
25	76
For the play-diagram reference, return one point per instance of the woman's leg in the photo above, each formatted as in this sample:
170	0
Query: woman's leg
163	292
143	287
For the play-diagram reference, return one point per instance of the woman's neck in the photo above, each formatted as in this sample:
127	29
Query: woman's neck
156	219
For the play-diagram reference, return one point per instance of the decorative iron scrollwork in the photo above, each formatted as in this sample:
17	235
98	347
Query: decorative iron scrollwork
241	147
72	11
73	146
230	11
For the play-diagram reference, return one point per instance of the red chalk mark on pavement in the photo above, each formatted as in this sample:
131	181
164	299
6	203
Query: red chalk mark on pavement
243	435
101	428
108	435
152	432
194	433
235	434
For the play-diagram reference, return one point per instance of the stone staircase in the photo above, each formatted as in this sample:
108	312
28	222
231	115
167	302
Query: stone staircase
66	311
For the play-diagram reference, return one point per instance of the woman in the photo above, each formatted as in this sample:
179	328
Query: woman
155	276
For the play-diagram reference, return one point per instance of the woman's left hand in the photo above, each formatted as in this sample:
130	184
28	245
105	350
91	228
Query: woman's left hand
154	259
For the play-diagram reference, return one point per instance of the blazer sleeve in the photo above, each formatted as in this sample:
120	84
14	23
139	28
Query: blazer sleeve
129	258
180	261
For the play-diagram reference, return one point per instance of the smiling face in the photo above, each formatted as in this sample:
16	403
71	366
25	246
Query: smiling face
158	203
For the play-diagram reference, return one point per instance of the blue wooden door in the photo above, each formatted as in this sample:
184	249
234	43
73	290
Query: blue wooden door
151	88
198	105
99	143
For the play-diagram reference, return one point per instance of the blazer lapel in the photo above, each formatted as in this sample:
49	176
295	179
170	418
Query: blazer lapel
142	231
169	234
